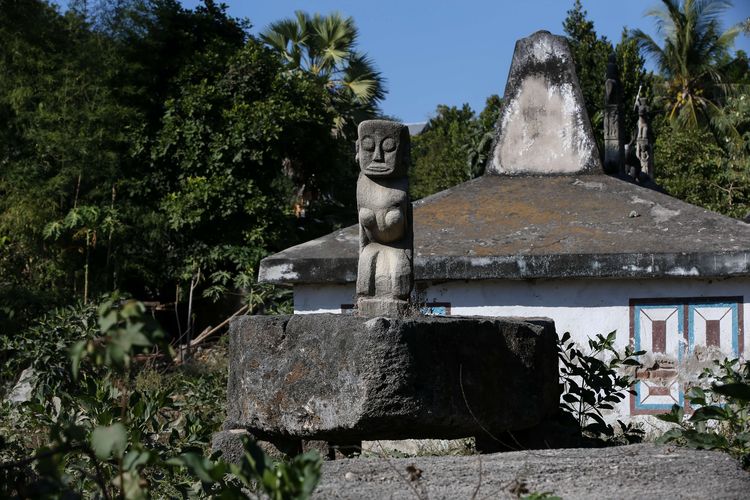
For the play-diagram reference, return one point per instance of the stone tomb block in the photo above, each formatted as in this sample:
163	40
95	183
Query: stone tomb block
344	378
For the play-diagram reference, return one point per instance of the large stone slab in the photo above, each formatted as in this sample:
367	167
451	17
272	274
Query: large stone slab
544	127
346	378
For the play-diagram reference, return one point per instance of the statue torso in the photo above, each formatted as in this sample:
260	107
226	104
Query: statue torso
382	208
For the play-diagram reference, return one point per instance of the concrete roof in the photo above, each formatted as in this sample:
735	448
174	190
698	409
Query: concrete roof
523	227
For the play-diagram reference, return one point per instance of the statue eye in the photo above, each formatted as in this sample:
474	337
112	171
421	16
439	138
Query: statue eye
389	145
368	144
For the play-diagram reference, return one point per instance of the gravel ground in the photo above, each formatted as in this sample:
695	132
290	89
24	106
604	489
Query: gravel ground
640	471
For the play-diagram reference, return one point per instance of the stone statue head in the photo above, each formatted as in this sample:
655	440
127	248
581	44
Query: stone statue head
642	107
383	148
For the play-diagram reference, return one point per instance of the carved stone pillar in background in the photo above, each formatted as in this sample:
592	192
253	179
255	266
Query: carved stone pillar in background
614	137
385	274
643	147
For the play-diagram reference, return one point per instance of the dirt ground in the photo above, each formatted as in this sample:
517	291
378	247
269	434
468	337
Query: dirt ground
640	471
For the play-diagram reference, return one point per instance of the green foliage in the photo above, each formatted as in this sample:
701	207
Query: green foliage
146	146
592	382
66	134
452	148
721	419
693	44
590	54
326	48
225	140
693	168
44	347
633	78
544	495
279	481
265	298
131	433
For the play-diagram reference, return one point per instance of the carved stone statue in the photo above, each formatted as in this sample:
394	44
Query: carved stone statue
385	275
614	143
643	147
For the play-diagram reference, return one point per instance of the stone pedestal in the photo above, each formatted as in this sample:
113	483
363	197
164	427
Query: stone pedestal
345	378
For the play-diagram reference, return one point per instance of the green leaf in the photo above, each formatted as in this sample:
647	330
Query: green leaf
136	458
669	436
705	413
736	390
675	415
108	441
704	440
106	321
569	398
77	352
197	464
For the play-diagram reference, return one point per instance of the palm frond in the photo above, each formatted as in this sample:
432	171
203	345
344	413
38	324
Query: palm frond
335	37
363	80
651	48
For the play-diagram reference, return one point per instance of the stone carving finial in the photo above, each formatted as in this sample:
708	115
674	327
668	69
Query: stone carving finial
614	143
385	275
643	146
543	127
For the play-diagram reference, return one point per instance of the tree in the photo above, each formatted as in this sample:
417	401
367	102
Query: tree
634	79
221	152
692	46
82	95
452	148
590	55
325	47
693	168
66	138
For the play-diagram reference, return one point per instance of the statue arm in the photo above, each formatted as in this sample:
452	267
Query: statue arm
363	239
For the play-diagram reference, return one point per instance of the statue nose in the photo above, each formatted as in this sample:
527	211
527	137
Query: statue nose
378	153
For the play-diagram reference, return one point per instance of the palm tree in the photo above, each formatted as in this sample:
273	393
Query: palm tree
325	46
693	45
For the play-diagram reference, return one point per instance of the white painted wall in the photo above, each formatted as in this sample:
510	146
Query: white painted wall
581	307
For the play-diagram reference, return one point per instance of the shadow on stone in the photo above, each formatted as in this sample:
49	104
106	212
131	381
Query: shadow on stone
343	378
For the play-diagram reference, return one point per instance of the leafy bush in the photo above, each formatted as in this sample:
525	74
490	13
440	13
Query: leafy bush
592	385
113	420
692	167
721	420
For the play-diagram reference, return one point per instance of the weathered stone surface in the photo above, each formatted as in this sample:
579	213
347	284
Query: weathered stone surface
344	378
614	136
643	147
24	388
385	273
642	471
229	443
544	127
527	227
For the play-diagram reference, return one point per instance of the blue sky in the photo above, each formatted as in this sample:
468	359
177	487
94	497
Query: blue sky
452	52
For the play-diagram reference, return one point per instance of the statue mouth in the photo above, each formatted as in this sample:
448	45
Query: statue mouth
376	168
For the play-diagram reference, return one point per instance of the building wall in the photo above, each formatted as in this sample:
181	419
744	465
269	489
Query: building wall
683	323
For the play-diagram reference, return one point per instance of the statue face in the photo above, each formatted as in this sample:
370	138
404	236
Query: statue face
383	148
